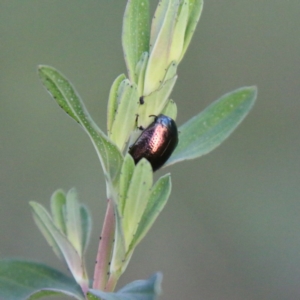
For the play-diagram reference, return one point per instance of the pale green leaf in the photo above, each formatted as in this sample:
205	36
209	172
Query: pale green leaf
125	178
125	116
160	56
113	101
58	201
210	128
140	72
41	217
73	220
136	33
160	193
137	290
155	102
177	43
66	96
86	225
71	256
21	280
171	71
170	110
118	260
195	9
136	199
158	20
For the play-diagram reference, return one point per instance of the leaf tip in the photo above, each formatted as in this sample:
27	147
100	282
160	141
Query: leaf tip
32	204
255	90
252	88
252	93
41	67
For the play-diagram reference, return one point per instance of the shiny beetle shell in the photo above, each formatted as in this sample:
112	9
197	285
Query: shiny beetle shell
156	143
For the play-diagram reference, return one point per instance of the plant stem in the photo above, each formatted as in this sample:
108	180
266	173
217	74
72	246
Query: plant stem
105	248
112	282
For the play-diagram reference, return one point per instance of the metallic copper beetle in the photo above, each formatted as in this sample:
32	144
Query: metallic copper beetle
157	142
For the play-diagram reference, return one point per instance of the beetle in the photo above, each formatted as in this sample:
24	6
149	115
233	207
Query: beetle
157	142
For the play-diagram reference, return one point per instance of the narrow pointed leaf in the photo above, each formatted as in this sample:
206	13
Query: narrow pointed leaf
21	280
158	20
120	260
119	249
41	217
136	33
160	193
137	290
125	178
155	102
177	43
140	72
86	225
73	220
171	71
70	255
160	58
210	128
113	101
66	96
136	199
58	202
170	110
195	9
125	115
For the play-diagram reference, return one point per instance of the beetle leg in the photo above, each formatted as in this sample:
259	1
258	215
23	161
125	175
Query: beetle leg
136	123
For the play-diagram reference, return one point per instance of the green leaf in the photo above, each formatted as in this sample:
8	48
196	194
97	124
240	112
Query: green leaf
41	217
155	102
113	101
137	290
125	116
161	40
136	32
118	260
86	225
66	96
125	178
73	220
136	199
20	280
60	243
63	217
195	9
158	20
58	202
92	297
177	43
140	72
170	110
210	128
160	193
171	71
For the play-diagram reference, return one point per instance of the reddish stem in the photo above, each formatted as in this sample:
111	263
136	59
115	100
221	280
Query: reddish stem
101	271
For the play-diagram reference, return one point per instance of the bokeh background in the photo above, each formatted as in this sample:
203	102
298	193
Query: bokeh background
231	229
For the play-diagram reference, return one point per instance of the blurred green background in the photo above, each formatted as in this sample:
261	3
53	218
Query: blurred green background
231	229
